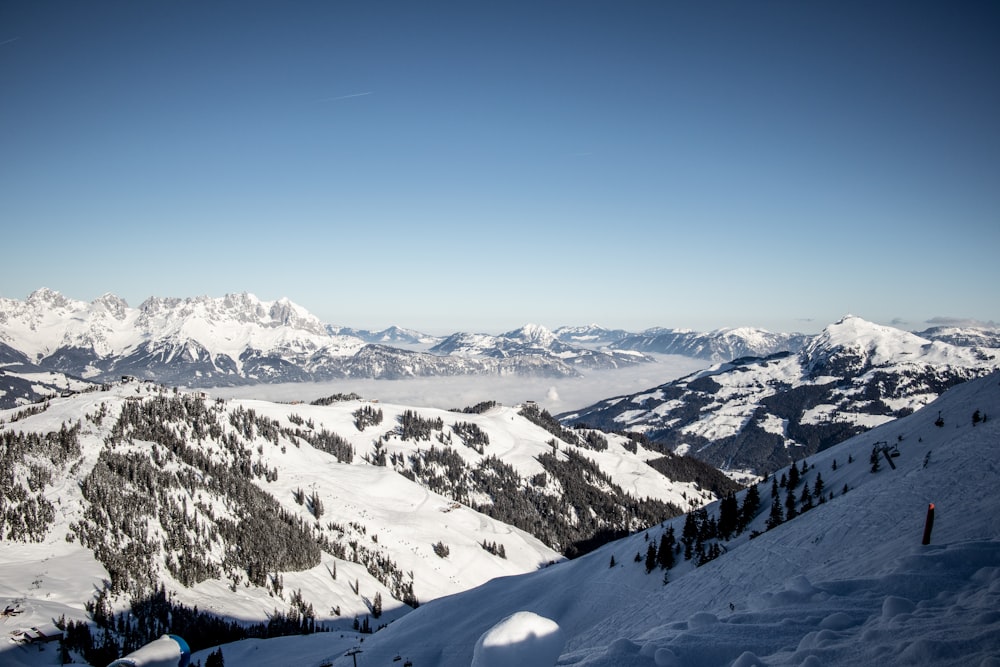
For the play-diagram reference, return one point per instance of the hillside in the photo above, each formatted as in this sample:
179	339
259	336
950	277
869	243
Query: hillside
315	515
844	583
716	346
759	414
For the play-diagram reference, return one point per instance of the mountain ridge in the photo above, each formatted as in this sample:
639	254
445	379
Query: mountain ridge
759	414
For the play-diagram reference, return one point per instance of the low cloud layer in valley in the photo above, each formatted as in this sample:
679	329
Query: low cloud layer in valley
553	394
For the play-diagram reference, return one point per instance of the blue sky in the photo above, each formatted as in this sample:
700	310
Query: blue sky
477	166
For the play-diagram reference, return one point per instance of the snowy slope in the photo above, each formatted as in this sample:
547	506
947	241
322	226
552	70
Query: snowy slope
185	460
845	583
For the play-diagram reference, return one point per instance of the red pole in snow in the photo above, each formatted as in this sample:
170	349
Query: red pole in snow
929	524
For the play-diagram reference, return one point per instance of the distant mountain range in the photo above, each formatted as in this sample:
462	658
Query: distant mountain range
761	413
239	339
49	343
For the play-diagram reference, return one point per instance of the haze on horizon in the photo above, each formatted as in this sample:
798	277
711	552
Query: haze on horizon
477	167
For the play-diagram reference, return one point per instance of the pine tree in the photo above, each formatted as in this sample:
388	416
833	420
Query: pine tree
793	477
751	503
729	516
665	554
776	517
790	511
377	605
818	486
650	558
806	498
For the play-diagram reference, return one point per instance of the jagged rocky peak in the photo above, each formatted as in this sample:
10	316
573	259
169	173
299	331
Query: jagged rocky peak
284	312
155	305
243	307
112	304
44	297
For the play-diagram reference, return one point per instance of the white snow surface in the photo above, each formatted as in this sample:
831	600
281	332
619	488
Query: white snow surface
524	639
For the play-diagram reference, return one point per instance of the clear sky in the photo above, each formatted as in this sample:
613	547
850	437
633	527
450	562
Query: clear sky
480	165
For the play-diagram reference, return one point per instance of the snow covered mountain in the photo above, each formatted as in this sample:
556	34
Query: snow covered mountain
390	336
198	340
718	345
533	340
239	339
591	335
965	336
305	513
761	413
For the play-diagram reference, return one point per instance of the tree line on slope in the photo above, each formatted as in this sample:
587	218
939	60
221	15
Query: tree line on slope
28	463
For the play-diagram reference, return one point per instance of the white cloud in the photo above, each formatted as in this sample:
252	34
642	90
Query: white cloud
464	391
943	321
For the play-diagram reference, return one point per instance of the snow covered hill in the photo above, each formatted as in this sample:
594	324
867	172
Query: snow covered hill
348	509
761	413
966	336
536	341
845	582
716	346
591	335
390	336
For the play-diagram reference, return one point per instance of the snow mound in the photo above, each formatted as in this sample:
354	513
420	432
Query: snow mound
524	639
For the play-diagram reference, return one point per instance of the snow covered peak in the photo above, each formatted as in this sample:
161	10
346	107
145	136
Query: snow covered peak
533	333
47	298
875	342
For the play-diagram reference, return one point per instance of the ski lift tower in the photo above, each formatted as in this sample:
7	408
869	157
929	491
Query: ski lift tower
354	654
